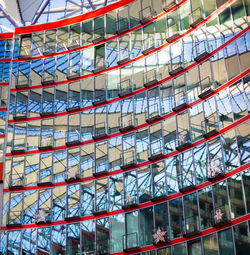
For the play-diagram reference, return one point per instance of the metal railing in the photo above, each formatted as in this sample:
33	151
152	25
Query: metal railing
183	137
150	77
100	129
126	120
128	157
209	124
74	101
130	241
46	141
101	164
186	180
161	234
101	96
14	217
220	215
159	188
195	17
73	136
167	4
191	225
145	14
177	64
43	215
156	147
130	198
73	173
153	110
18	144
122	25
17	179
125	86
215	168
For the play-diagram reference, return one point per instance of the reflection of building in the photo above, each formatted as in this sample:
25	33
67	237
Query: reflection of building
128	130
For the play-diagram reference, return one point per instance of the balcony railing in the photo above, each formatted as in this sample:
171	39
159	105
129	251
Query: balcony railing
43	215
196	17
73	73
161	235
125	88
156	150
149	45
210	126
100	130
126	122
215	169
146	14
101	206
73	173
150	78
183	140
130	200
220	215
48	78
206	87
191	226
14	218
23	81
74	209
186	180
74	102
46	142
131	242
101	167
172	31
159	191
16	180
128	160
177	65
100	97
153	113
167	4
44	175
201	49
99	34
18	145
73	137
122	25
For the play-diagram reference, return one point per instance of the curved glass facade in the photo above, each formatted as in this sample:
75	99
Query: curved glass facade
126	131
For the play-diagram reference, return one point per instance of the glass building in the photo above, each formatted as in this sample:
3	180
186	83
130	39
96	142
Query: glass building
125	130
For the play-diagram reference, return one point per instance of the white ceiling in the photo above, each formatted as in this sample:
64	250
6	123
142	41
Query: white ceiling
21	10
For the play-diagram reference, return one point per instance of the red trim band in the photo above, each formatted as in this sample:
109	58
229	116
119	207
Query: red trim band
6	35
5	59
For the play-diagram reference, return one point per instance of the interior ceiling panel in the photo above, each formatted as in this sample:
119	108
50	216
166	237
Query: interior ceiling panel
21	10
28	8
11	7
